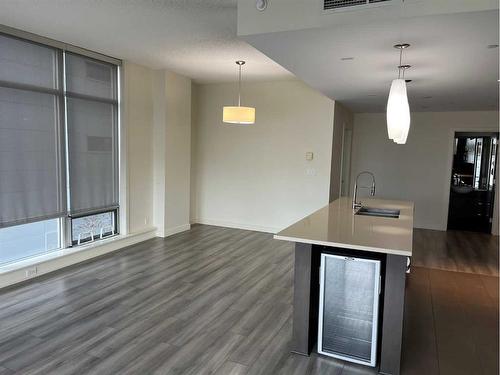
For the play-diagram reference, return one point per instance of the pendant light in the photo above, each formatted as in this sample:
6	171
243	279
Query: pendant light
239	114
398	109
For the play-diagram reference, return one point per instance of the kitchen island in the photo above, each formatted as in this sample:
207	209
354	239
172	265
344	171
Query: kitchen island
338	230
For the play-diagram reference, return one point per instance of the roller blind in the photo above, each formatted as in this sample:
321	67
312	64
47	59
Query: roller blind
92	131
32	179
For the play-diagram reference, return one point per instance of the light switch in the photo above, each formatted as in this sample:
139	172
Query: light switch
309	156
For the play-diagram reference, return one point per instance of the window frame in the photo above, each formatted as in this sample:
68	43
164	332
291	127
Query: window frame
61	95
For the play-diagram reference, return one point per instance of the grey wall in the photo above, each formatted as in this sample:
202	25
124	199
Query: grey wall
257	176
420	170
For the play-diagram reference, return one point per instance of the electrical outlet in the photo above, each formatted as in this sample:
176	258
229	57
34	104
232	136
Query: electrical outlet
31	272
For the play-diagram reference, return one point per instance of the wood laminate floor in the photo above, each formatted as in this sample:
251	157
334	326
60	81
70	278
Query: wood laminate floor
218	301
470	252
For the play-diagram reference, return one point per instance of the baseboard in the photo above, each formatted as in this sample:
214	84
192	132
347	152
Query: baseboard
229	224
16	272
171	231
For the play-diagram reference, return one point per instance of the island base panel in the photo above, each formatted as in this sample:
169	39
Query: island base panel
306	303
392	327
305	299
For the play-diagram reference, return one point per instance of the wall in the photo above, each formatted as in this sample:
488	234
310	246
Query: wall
256	176
159	153
172	151
138	123
419	170
343	119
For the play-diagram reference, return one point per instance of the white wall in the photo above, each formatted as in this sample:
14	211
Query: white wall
257	176
343	119
172	150
158	140
159	153
138	123
419	170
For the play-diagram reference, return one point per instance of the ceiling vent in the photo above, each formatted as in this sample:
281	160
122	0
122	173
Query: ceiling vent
347	4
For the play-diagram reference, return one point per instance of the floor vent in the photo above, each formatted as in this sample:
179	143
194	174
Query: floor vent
340	4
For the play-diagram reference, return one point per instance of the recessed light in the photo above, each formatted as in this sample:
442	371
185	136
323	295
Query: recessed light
492	46
347	58
261	5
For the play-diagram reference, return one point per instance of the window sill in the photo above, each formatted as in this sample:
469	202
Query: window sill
15	272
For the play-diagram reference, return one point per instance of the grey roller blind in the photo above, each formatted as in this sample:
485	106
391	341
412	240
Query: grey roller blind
32	180
92	131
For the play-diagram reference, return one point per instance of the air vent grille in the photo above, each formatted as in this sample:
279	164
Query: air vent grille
338	4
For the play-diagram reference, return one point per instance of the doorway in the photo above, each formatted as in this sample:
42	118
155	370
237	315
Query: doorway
472	185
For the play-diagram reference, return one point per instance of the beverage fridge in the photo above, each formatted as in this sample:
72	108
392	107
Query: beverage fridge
348	308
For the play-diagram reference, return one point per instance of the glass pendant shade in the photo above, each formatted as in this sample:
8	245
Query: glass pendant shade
238	115
398	112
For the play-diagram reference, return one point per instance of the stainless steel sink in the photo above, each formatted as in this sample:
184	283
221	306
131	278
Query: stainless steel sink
381	212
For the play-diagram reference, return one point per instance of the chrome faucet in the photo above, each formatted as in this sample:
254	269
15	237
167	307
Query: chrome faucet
356	204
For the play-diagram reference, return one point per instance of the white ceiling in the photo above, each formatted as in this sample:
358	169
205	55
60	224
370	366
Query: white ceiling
195	38
452	67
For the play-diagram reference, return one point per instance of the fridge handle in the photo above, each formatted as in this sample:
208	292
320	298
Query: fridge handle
379	284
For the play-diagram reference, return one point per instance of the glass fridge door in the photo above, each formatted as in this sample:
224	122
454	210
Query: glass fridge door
348	308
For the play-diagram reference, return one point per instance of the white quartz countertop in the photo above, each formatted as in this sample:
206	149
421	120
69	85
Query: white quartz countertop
336	225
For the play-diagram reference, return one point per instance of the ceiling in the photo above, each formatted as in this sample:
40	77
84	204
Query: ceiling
452	67
195	38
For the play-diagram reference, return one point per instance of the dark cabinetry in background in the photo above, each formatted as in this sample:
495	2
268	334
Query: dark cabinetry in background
472	188
471	211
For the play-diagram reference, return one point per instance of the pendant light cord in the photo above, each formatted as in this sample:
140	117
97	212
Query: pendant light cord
240	63
400	20
239	87
400	63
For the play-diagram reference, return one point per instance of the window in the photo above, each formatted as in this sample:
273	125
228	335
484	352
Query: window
27	240
92	117
92	143
59	118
